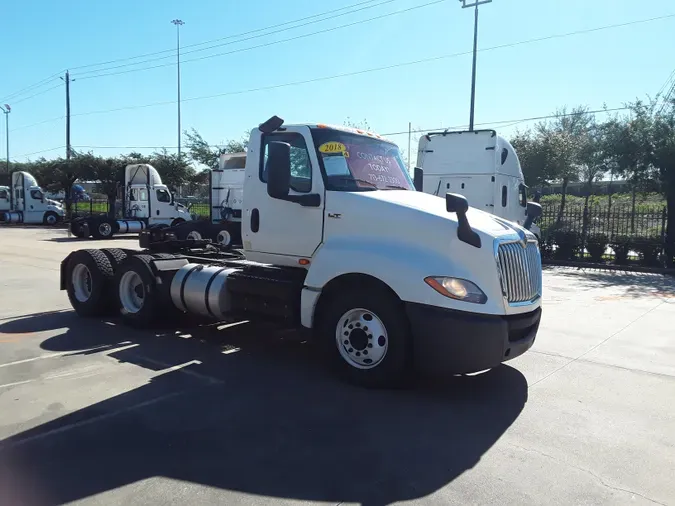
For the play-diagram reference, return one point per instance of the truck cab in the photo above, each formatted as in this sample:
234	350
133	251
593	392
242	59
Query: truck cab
27	202
481	165
4	199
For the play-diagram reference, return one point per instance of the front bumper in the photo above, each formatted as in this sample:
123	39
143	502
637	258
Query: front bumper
457	342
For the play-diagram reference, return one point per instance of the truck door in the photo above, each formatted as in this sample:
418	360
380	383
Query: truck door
279	231
138	202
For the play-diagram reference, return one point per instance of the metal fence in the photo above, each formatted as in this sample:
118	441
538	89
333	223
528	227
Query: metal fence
643	222
91	207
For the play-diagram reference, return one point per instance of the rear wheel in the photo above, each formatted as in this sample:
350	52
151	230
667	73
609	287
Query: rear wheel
89	275
115	256
77	228
136	292
365	337
224	238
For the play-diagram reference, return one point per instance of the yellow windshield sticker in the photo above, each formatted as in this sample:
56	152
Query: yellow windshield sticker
331	148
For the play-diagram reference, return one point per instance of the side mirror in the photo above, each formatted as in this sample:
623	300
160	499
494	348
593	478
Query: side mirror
455	203
173	199
418	179
278	168
533	212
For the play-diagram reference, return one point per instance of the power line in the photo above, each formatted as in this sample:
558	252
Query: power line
229	37
36	94
333	16
349	74
267	44
38	152
31	87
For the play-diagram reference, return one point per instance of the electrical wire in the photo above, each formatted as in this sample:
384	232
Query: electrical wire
37	94
11	96
183	52
267	44
38	152
229	37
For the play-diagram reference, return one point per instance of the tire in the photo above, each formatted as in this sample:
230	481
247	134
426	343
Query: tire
51	218
76	228
136	292
115	256
390	353
223	238
88	282
102	229
188	230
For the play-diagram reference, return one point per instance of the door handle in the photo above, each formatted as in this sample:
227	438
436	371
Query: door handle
255	220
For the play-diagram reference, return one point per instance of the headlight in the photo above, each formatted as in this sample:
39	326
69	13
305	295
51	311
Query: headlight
458	289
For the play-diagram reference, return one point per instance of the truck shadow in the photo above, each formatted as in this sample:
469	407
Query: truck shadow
265	420
94	241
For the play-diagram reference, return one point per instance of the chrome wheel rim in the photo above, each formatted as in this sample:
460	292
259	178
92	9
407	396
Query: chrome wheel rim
105	229
51	219
193	234
224	238
132	292
361	338
82	282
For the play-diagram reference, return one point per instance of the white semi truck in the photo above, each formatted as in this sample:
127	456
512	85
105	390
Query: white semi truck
479	164
146	201
25	202
337	242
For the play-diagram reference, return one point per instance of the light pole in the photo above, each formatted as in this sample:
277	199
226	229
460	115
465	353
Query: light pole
475	5
178	24
7	109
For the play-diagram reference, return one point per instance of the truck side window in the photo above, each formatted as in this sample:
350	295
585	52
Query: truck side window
36	194
163	196
522	196
3	194
504	195
505	155
301	169
143	195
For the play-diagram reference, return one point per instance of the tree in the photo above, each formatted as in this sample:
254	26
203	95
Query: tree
61	174
172	168
533	158
563	141
203	153
360	125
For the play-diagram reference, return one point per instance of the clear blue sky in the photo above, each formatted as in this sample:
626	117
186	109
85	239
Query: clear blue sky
42	37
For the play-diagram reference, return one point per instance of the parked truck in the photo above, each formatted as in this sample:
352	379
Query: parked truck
481	165
25	202
146	201
337	242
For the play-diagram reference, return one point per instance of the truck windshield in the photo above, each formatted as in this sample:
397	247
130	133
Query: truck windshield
353	162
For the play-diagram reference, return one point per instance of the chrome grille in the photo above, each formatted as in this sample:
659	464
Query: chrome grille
520	271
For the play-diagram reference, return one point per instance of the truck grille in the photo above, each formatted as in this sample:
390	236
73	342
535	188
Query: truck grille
520	271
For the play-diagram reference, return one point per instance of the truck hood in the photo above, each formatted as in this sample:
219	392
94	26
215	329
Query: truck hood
482	222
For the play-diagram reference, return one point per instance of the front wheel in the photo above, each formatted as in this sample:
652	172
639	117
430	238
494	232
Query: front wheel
51	218
365	337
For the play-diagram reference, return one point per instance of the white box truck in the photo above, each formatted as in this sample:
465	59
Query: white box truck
337	242
481	165
25	202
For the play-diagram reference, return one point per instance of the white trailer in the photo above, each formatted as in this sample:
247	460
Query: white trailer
481	165
336	242
146	201
25	202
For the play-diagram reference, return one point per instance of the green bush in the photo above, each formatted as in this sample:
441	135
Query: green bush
567	242
621	244
596	245
648	250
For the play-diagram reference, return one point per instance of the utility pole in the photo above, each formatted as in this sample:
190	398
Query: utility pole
178	24
7	109
475	5
67	81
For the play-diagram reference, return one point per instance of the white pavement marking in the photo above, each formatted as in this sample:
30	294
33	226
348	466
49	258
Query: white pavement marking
72	352
89	421
14	384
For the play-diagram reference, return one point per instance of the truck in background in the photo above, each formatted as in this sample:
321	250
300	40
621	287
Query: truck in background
337	242
25	202
146	201
481	165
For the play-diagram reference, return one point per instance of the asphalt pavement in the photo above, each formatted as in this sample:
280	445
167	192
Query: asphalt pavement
94	413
